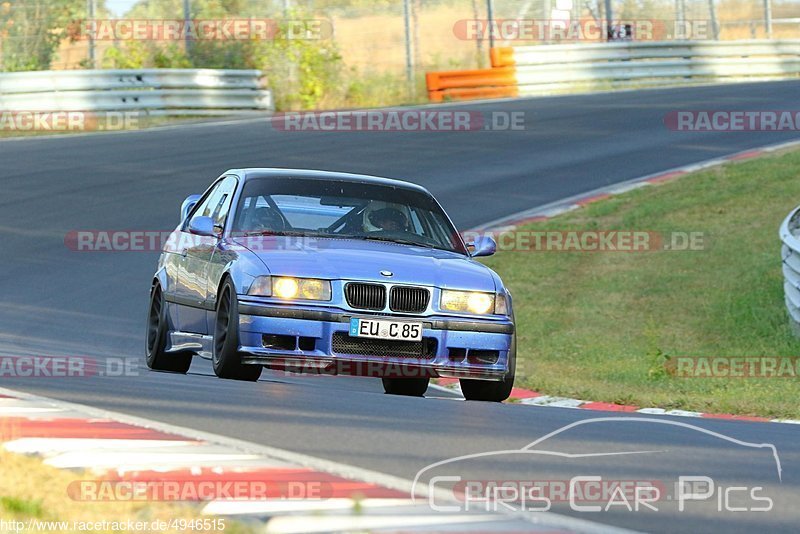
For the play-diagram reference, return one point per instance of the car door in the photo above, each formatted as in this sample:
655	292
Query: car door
181	293
197	272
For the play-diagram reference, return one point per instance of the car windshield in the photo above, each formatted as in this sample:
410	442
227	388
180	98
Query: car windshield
343	209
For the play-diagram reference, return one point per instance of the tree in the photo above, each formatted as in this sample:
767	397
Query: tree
31	30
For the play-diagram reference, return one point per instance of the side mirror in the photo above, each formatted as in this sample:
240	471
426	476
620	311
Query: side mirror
202	226
483	246
188	204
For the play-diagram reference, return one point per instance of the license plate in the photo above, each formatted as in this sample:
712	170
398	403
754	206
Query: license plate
386	329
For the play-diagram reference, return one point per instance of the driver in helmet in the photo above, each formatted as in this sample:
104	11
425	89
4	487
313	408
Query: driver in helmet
389	220
383	216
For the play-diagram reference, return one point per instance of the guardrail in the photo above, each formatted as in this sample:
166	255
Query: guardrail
156	91
790	256
545	69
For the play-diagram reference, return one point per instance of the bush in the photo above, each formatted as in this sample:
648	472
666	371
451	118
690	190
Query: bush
302	73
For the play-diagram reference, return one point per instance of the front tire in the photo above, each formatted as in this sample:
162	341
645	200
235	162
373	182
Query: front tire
156	356
409	387
484	390
226	359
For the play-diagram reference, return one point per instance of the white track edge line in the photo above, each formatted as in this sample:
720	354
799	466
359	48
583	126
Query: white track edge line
688	168
344	470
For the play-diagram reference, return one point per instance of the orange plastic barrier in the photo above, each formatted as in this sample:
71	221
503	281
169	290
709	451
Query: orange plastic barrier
469	78
502	56
473	93
496	82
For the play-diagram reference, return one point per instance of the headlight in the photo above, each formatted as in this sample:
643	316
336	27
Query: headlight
467	301
286	287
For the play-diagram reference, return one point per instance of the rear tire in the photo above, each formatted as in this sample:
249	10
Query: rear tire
409	387
226	359
485	390
156	338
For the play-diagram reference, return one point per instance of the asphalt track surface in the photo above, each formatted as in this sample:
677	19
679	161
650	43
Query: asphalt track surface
54	301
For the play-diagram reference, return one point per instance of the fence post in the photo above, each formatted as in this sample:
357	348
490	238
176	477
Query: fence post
409	54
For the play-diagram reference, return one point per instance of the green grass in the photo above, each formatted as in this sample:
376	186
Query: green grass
24	507
601	325
30	490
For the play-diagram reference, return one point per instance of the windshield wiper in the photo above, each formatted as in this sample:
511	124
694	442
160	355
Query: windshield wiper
396	240
276	233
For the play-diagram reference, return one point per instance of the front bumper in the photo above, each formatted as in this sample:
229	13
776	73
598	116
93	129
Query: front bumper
453	340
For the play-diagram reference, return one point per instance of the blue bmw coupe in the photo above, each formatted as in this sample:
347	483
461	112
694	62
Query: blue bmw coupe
328	272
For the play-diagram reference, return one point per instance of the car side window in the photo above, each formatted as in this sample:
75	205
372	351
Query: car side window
214	201
220	201
201	206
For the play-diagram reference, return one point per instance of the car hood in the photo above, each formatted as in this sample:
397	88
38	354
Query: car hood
351	259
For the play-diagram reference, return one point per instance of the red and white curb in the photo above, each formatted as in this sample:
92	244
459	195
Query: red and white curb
542	213
533	398
110	447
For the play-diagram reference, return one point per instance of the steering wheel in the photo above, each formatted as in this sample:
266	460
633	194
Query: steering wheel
267	218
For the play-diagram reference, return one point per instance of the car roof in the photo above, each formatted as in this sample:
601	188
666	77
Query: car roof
313	174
